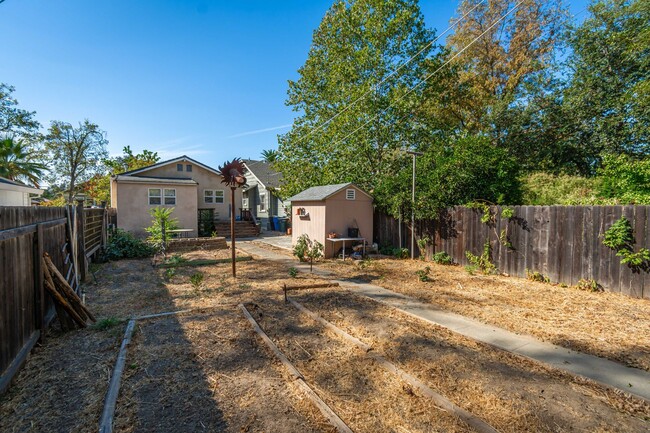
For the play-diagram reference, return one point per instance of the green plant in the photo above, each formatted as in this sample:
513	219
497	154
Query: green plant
196	280
293	272
620	238
386	249
422	246
589	285
489	217
484	261
400	253
175	260
161	217
537	276
308	249
442	258
123	245
471	269
106	323
423	274
170	273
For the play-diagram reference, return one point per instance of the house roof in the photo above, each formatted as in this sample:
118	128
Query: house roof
318	193
263	172
183	158
13	185
153	180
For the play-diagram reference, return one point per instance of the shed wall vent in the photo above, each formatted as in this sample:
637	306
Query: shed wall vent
350	194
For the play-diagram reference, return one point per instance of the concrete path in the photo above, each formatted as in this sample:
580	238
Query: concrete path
606	372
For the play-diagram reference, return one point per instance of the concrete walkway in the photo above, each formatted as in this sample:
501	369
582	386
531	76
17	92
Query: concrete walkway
603	371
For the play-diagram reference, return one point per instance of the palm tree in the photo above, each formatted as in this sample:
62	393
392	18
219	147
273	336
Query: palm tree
17	161
270	155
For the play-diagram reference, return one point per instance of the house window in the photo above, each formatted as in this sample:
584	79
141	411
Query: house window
188	167
244	203
155	196
170	196
179	167
212	196
262	205
350	194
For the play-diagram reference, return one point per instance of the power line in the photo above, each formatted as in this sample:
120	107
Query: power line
347	107
434	72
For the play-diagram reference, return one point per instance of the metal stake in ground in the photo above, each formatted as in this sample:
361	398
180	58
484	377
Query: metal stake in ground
231	175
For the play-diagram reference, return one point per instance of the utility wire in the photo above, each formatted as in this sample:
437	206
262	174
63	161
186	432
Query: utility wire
434	72
367	92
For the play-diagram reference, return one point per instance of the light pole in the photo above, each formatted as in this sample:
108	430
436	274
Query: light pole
415	155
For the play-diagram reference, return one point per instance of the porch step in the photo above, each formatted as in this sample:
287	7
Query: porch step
243	229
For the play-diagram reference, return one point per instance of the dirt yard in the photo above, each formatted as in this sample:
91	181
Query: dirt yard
605	324
206	370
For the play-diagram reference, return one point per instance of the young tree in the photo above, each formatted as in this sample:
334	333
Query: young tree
75	154
352	119
18	162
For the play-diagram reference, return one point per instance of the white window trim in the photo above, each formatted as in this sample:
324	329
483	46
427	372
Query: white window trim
216	194
262	206
159	196
165	196
349	196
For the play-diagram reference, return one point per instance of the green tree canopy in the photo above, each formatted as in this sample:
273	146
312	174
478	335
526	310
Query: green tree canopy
347	78
15	121
18	162
75	153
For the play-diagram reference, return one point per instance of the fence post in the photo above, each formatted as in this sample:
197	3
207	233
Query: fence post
39	293
81	241
104	225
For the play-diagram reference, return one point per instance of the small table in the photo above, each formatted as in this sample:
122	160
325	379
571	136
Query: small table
335	240
182	233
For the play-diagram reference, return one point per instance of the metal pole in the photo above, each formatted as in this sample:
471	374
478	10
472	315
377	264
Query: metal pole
232	230
415	154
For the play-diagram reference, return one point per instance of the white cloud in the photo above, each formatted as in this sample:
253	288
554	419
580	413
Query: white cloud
259	131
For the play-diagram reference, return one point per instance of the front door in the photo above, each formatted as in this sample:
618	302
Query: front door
206	222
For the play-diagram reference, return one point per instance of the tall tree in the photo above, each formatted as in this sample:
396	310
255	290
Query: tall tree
75	154
15	121
354	115
607	101
269	155
504	65
18	162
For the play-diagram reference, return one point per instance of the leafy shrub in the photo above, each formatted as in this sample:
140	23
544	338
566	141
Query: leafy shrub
106	323
589	285
175	260
620	238
442	258
537	276
400	253
170	273
422	246
386	249
423	274
547	189
484	261
307	248
123	245
293	272
196	280
161	216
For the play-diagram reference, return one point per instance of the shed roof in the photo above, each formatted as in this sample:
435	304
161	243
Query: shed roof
318	193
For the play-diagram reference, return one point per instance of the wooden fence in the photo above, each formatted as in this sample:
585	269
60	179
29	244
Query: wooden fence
564	243
25	308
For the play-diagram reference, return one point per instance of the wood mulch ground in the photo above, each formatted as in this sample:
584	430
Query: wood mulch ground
605	324
206	370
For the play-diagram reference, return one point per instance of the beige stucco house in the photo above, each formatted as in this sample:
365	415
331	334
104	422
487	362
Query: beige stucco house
321	210
192	188
13	193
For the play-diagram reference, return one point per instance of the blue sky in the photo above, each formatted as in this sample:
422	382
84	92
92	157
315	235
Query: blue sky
197	77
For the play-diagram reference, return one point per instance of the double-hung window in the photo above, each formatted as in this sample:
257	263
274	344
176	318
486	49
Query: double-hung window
211	196
158	196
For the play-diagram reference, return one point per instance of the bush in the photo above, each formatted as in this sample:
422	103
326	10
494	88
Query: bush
537	276
123	245
442	258
484	261
400	253
161	216
196	280
423	274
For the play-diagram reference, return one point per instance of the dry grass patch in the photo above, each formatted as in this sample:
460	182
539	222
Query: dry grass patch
605	324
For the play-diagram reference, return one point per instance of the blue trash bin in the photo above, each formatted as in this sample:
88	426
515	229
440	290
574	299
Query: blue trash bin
275	224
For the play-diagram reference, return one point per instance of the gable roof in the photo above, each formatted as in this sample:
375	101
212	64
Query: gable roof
184	158
263	172
13	185
125	178
318	193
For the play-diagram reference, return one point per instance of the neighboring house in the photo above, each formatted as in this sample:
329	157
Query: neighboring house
343	209
192	188
260	193
13	193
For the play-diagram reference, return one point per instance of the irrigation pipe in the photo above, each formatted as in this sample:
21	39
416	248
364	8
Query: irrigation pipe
440	400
